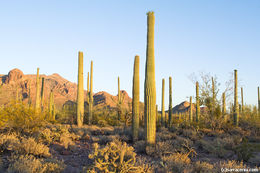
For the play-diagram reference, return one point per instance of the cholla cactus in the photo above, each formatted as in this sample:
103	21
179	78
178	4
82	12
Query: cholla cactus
163	119
149	85
37	101
191	110
236	106
170	101
80	91
90	107
197	102
136	98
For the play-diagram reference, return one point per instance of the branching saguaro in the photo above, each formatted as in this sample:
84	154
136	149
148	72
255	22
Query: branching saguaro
136	98
38	100
236	106
90	106
170	102
80	91
197	103
191	110
163	119
149	85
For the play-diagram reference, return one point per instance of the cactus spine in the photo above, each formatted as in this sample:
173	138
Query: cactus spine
191	110
197	102
136	98
42	95
37	101
163	119
242	101
236	106
149	85
80	91
170	102
51	106
213	96
90	107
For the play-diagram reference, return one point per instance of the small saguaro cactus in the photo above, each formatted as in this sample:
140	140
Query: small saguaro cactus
236	106
197	102
51	106
42	95
149	85
90	106
80	91
163	119
37	101
191	110
170	102
213	96
224	105
242	101
136	98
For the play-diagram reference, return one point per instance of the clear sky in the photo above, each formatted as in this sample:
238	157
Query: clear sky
190	36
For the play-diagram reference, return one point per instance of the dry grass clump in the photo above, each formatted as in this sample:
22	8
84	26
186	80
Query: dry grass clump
31	164
114	157
203	167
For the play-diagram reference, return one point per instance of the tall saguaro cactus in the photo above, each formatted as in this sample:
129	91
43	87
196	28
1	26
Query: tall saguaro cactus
80	91
37	101
163	119
51	106
242	101
258	102
236	106
90	107
88	89
191	110
170	102
149	85
197	102
136	98
119	99
213	95
223	104
29	94
42	95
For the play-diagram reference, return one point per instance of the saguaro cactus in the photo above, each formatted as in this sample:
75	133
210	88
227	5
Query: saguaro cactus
136	98
258	101
51	106
197	102
223	103
149	85
29	94
213	96
242	101
42	95
37	101
163	119
90	107
80	91
191	110
236	106
88	89
170	102
119	99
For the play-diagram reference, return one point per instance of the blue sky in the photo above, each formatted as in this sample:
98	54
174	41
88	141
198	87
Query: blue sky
190	36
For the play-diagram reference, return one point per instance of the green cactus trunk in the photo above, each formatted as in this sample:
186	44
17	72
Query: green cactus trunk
224	106
242	101
119	99
38	100
42	95
197	103
136	98
149	85
90	107
170	102
29	94
258	102
88	89
191	110
51	106
213	96
80	91
163	120
236	106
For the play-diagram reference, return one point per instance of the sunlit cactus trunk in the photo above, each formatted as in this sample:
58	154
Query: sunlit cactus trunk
236	106
242	101
224	106
170	102
90	107
119	99
163	120
136	99
197	102
258	102
80	91
29	94
88	89
149	85
191	110
213	96
42	95
51	106
38	100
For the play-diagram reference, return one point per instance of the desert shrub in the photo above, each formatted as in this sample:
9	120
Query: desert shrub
244	151
21	117
9	142
203	167
31	164
139	146
114	157
30	146
165	147
230	164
